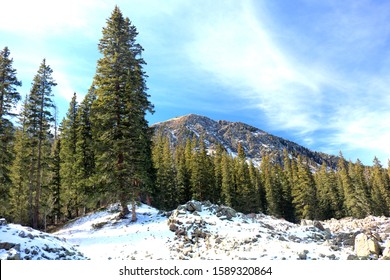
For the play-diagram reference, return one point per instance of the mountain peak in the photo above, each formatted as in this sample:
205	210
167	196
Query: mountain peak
255	141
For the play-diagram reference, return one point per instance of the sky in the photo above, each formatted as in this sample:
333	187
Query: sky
313	72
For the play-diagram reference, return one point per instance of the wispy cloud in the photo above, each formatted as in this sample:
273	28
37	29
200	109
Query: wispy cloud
322	83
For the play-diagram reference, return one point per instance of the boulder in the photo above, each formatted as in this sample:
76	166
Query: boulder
173	227
194	206
318	225
365	245
7	245
225	211
3	222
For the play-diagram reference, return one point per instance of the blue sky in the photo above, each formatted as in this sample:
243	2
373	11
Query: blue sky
314	72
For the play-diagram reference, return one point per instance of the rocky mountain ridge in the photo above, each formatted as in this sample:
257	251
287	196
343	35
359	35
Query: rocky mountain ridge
255	141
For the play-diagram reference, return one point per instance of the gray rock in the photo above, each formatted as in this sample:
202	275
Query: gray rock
365	245
318	225
194	206
303	255
352	257
172	227
225	211
7	245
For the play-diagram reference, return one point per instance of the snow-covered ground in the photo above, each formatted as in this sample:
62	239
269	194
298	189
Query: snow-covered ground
24	243
101	236
195	231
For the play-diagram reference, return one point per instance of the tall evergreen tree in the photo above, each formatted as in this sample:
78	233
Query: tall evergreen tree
71	196
20	197
304	192
273	191
9	97
85	154
38	125
227	188
123	138
380	189
182	174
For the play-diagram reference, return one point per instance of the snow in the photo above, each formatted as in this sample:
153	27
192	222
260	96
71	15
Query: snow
120	239
27	243
206	234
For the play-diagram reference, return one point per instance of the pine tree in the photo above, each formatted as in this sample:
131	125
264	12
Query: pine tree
361	189
55	182
227	189
20	206
217	163
258	188
304	192
352	207
38	125
380	189
123	137
273	191
85	154
329	202
246	196
9	97
182	175
71	196
285	176
201	173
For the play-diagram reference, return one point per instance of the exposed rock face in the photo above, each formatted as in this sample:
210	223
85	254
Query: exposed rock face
254	141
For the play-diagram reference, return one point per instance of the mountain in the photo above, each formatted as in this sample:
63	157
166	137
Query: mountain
255	141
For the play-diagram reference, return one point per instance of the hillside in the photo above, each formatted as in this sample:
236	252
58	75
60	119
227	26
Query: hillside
199	230
254	140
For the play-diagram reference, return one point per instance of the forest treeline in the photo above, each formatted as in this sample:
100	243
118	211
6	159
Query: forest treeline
292	189
103	151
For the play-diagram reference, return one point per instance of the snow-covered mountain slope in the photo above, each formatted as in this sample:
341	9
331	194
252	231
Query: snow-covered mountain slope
201	231
24	243
254	141
206	231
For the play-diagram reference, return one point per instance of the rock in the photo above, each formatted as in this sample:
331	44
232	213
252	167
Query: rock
7	245
318	225
173	227
303	255
181	232
194	206
387	229
352	258
386	251
227	212
364	246
3	222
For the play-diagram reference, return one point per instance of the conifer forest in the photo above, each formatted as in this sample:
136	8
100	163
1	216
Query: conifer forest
104	151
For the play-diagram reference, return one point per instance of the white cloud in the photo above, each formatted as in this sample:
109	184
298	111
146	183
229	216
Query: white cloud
239	51
47	17
333	88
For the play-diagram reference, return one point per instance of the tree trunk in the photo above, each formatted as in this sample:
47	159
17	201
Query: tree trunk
133	212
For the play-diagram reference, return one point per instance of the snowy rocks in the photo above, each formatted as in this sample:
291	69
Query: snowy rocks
194	206
24	243
225	212
3	222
